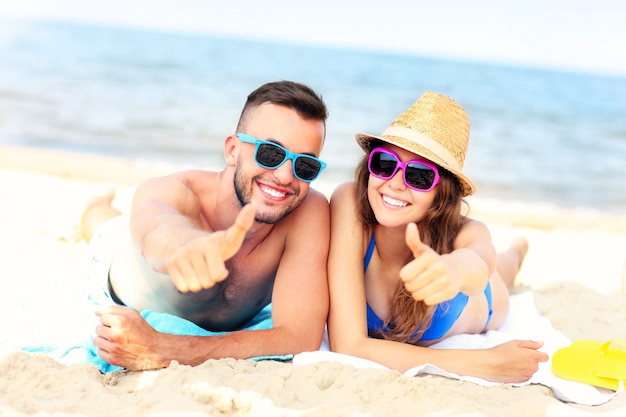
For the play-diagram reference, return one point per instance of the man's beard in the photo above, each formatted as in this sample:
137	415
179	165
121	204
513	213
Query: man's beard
239	182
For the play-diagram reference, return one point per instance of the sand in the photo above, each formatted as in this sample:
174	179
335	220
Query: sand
574	270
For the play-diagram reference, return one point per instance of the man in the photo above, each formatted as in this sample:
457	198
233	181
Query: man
215	248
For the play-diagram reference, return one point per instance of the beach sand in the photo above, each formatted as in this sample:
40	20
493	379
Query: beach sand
574	269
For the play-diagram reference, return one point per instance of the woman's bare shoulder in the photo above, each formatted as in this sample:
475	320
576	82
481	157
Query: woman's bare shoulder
344	191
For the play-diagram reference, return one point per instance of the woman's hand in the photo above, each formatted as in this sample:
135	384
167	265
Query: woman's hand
515	361
428	277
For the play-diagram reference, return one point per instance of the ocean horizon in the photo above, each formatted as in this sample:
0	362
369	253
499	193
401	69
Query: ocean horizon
539	136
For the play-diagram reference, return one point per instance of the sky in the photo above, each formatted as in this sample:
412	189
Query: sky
580	35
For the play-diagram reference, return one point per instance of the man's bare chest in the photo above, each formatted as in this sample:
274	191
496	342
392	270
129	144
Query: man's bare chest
231	303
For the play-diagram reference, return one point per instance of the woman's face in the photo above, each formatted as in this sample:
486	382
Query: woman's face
393	202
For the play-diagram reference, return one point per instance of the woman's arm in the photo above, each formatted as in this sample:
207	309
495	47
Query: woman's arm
473	257
511	362
347	323
435	278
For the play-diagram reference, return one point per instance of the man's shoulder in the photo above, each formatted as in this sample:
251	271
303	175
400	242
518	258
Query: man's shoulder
196	179
316	195
314	208
194	174
180	185
314	201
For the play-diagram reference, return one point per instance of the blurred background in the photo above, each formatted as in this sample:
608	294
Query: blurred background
544	82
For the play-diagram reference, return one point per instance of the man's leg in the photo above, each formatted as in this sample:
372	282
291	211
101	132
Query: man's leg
98	211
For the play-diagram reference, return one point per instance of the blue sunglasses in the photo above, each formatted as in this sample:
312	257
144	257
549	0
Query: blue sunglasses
270	155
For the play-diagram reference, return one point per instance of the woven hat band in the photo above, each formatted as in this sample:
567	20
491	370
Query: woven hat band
426	142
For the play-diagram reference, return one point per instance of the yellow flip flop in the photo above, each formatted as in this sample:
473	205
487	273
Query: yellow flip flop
594	363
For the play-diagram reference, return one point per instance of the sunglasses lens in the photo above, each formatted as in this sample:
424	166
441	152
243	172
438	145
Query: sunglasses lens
383	164
419	176
270	155
307	168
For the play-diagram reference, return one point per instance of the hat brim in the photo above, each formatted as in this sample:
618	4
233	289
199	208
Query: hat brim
366	142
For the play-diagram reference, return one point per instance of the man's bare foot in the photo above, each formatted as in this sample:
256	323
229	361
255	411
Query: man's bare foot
98	211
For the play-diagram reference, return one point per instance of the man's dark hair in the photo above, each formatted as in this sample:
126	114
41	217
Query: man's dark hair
299	97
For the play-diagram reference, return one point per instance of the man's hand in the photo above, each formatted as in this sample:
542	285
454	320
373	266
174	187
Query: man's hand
428	277
125	339
200	262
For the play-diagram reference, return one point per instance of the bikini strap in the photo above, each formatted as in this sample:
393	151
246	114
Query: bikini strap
369	253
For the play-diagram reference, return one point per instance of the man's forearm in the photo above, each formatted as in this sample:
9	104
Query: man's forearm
243	344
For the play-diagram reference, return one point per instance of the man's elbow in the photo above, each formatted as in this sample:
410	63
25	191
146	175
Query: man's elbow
310	342
303	340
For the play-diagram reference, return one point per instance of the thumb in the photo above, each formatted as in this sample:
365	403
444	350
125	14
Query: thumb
237	232
413	241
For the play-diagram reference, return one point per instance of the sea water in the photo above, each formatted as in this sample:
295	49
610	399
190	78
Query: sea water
538	136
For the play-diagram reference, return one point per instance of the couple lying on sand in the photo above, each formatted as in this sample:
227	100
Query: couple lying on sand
390	265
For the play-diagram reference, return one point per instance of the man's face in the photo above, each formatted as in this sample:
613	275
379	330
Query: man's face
275	192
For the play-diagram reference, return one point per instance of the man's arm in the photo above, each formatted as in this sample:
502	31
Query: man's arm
125	339
300	298
165	215
299	309
175	239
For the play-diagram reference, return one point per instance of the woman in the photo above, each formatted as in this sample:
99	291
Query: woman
406	268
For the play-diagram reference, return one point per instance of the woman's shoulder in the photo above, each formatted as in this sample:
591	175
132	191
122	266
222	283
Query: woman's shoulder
473	228
469	222
344	205
343	191
344	195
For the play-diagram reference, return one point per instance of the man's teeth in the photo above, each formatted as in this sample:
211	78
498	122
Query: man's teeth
273	192
394	202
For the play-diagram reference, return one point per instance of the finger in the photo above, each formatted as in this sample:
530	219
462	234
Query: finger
535	345
110	330
413	241
105	351
102	343
421	262
237	232
421	270
425	270
203	271
181	273
193	271
429	295
217	271
438	297
531	344
110	316
103	331
179	280
111	309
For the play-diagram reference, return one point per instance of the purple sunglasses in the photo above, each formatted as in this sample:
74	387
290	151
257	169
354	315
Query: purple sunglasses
418	175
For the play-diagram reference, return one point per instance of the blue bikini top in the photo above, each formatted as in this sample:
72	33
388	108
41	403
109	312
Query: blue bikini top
444	318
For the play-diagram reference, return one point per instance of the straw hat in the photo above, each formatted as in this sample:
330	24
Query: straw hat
435	127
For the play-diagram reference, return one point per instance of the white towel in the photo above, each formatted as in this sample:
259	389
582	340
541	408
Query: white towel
523	322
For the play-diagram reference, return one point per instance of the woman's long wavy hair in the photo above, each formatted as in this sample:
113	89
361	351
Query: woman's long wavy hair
438	229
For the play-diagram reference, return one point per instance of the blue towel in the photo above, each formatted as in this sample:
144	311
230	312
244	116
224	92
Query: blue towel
164	323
